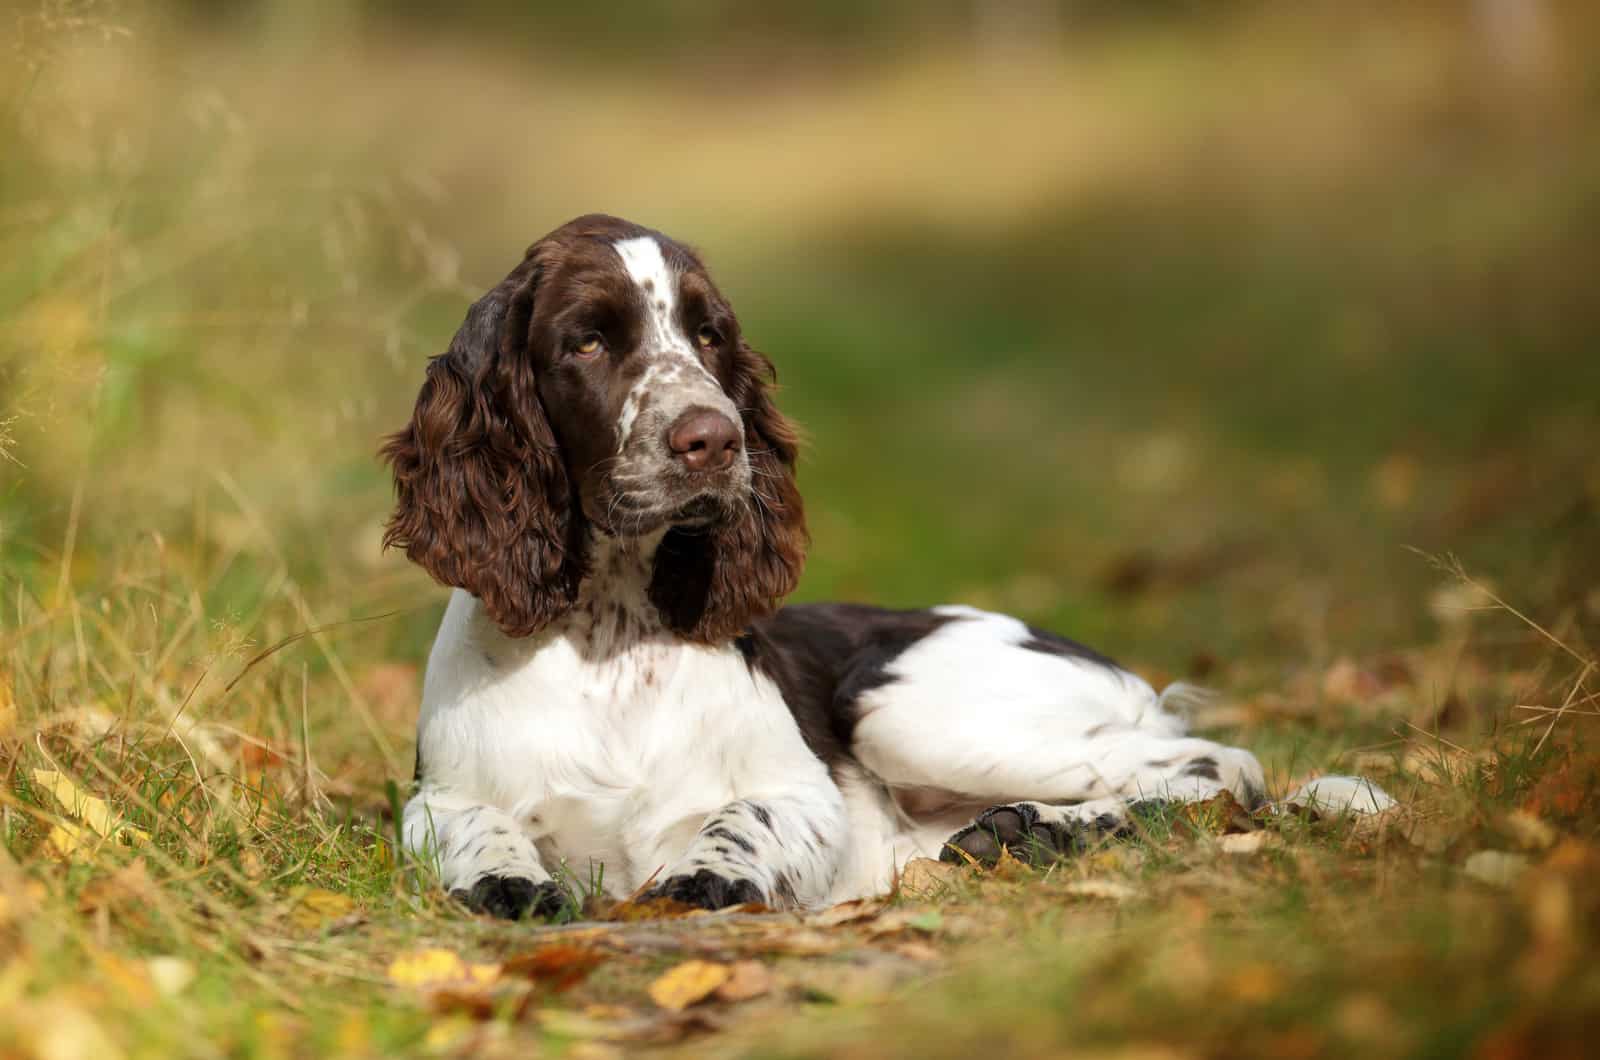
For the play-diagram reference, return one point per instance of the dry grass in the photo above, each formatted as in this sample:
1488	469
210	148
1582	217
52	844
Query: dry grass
224	261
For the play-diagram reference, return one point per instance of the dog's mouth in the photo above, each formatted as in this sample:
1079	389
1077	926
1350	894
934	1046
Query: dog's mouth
630	514
703	510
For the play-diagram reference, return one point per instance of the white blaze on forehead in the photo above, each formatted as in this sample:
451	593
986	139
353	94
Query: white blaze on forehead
658	286
670	357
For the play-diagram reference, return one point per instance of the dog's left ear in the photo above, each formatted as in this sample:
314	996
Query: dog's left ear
709	584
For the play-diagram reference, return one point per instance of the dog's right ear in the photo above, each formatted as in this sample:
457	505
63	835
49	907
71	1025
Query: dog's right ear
483	500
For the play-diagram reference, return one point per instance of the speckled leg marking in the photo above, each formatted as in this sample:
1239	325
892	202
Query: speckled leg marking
776	851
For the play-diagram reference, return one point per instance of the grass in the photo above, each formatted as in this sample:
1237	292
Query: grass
1212	370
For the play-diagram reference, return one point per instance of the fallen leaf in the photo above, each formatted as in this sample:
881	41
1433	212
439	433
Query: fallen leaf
847	912
1495	867
916	951
1246	843
688	983
1111	890
8	709
67	839
1218	815
803	944
747	979
927	922
924	877
559	965
170	975
1562	793
1007	867
314	909
1529	832
648	909
60	1030
432	969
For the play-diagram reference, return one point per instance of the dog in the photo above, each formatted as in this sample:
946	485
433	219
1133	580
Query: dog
615	699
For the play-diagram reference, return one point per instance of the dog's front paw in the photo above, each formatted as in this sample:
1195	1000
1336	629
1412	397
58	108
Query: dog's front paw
707	889
512	897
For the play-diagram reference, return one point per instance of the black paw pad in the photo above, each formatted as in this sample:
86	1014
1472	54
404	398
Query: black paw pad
512	897
707	890
1018	829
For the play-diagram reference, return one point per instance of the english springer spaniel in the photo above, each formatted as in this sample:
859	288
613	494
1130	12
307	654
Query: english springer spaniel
615	697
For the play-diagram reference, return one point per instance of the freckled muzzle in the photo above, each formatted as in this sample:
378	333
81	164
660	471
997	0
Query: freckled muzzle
681	451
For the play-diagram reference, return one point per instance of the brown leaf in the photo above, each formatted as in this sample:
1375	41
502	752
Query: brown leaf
560	966
803	943
924	877
688	983
1218	815
847	912
927	922
1563	793
649	909
748	979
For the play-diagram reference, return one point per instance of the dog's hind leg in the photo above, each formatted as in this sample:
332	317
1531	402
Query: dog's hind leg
986	711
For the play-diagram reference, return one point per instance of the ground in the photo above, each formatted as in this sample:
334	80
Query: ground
1253	352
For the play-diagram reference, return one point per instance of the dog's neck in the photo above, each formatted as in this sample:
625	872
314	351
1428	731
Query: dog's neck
613	611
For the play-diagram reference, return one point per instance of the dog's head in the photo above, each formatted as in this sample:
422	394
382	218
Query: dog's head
601	388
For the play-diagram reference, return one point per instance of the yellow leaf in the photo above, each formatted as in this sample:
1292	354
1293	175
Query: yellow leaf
431	969
55	1028
688	983
315	908
67	840
90	810
171	975
8	709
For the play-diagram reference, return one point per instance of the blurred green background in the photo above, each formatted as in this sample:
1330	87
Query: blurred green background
1171	325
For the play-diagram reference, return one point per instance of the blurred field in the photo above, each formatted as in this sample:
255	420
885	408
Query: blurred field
1189	330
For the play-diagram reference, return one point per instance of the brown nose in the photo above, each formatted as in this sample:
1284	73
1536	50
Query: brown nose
703	440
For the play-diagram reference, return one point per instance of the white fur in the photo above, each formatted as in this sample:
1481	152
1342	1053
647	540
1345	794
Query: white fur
605	742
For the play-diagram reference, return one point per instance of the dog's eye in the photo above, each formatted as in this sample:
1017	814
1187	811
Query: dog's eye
589	346
708	336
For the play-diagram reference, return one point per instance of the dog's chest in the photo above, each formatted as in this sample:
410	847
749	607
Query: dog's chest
610	762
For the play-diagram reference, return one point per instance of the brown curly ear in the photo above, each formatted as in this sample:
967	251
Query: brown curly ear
709	584
483	498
